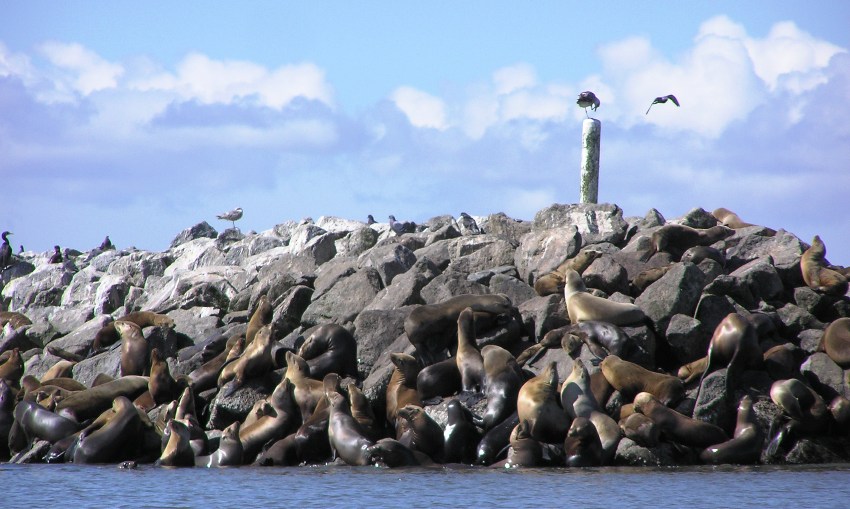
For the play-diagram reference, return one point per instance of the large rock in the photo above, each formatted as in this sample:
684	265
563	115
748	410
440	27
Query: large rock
345	300
541	251
595	222
375	331
677	292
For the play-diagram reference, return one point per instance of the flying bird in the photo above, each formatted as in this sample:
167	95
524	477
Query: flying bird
662	100
232	216
588	99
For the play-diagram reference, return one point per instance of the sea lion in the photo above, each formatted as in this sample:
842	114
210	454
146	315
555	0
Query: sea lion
802	404
278	421
362	412
495	441
135	351
390	453
646	277
745	446
40	423
502	382
470	363
261	317
401	390
7	417
205	350
783	361
347	438
419	431
552	283
107	335
583	306
578	401
538	404
13	369
229	452
631	379
307	392
256	360
692	370
641	429
15	318
733	345
525	451
177	451
675	239
582	446
836	342
460	437
439	380
431	328
330	348
697	254
816	272
311	438
677	427
114	441
91	402
61	369
161	385
282	452
206	376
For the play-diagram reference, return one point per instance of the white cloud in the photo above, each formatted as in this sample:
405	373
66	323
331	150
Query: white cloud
422	109
515	77
88	71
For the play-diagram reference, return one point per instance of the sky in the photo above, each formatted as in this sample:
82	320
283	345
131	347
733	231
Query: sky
140	119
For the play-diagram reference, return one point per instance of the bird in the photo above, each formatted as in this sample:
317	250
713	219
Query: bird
5	251
662	100
232	216
467	223
395	226
57	255
106	244
588	99
370	220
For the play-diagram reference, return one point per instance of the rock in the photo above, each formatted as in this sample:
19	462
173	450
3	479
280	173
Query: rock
713	404
824	376
344	300
677	292
595	222
450	284
375	331
200	230
389	261
687	338
606	274
542	314
542	251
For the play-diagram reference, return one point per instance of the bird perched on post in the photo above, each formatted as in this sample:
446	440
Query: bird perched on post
662	100
232	216
5	251
588	99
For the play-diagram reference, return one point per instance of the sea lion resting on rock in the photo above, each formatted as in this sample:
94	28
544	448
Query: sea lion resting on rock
107	334
583	306
733	345
552	283
675	239
816	272
631	379
330	348
677	427
836	342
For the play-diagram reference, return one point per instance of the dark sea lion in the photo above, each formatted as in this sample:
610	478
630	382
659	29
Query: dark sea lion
746	444
646	277
675	239
538	404
783	361
307	392
261	317
115	440
347	438
431	328
419	431
836	342
470	364
281	453
697	254
40	423
578	401
525	451
677	427
735	346
439	380
206	376
135	350
502	383
91	402
390	453
583	306
362	411
7	417
631	379
802	404
330	348
816	272
839	407
311	438
211	346
255	361
460	437
582	446
551	339
494	444
178	450
107	335
552	283
280	419
161	385
13	369
641	429
401	390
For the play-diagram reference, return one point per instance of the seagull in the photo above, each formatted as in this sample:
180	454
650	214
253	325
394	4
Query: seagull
467	223
232	216
588	99
5	251
57	255
662	100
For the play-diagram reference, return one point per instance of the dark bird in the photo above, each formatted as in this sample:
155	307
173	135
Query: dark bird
662	100
232	216
106	244
468	224
370	219
5	251
588	99
20	249
57	255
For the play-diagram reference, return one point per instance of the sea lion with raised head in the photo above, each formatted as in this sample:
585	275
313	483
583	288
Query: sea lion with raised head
206	376
135	350
538	404
582	446
816	272
279	420
347	438
13	369
419	431
401	390
735	346
631	379
306	390
524	451
229	452
676	426
583	305
552	283
255	361
470	363
107	335
177	451
746	444
261	317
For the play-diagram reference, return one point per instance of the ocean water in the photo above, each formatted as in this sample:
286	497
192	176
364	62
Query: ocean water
85	486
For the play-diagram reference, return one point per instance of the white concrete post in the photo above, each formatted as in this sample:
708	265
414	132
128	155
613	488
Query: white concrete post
591	132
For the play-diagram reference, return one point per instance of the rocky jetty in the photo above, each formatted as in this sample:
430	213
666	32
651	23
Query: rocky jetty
254	332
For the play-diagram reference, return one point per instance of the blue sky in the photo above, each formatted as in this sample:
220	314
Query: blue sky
140	119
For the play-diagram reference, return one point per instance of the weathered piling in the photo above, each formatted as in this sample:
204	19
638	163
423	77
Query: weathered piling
591	132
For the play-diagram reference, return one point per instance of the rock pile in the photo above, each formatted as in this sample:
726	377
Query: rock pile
308	309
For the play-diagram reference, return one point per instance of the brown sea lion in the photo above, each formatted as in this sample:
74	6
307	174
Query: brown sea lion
675	239
431	328
107	335
470	363
631	379
401	390
278	421
582	446
307	391
161	385
61	369
13	369
502	382
135	350
677	427
229	452
783	361
330	348
816	272
347	438
801	403
362	411
114	441
261	317
583	306
746	444
646	277
255	361
735	346
282	452
538	403
206	376
92	402
178	450
578	401
641	429
552	283
524	451
311	438
697	254
836	342
419	431
390	453
693	370
728	218
15	318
